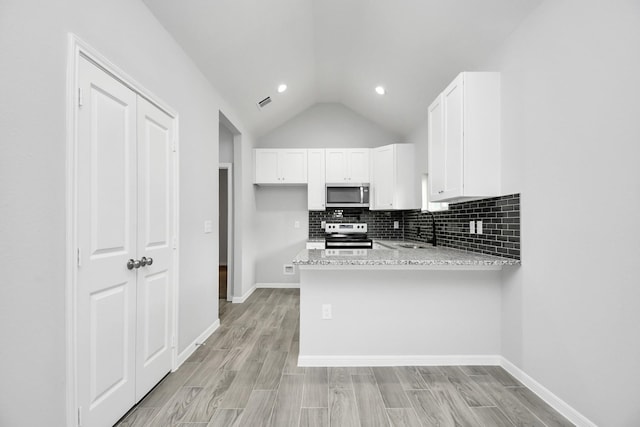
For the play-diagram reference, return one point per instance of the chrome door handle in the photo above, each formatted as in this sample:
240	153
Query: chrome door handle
131	264
146	261
149	261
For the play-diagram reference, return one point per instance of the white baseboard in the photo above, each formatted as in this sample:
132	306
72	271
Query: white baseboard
278	285
545	394
184	355
417	360
243	298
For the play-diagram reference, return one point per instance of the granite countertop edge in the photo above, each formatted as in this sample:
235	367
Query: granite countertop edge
440	256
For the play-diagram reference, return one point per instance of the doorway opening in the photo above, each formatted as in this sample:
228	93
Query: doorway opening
225	225
228	180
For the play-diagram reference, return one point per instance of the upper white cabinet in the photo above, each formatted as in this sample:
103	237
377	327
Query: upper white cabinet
316	193
464	139
347	165
280	166
394	184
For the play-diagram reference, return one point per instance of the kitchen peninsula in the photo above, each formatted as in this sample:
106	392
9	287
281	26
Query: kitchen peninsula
399	306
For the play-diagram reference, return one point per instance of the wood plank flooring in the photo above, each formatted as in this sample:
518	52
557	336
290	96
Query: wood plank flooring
247	375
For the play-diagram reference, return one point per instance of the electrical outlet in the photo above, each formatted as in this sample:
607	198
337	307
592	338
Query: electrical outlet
479	227
323	224
296	224
326	311
208	226
396	224
288	269
472	227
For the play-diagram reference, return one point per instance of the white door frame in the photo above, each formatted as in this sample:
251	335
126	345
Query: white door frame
76	49
229	168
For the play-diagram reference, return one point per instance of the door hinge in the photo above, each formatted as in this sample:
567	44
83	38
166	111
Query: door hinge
79	258
175	243
173	341
79	416
174	148
80	99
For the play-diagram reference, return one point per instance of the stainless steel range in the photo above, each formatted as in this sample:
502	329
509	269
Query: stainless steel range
347	235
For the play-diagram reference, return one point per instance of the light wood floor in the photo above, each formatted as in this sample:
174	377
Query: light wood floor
246	375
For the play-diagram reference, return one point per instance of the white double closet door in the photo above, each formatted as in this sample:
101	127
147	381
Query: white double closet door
124	213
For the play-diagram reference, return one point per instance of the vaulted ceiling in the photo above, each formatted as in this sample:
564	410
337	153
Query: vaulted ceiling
337	51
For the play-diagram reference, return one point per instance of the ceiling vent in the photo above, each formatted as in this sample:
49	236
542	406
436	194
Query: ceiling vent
264	103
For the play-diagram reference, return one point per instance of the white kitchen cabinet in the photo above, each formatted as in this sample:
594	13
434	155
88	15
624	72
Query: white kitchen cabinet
316	193
280	166
394	183
347	165
464	139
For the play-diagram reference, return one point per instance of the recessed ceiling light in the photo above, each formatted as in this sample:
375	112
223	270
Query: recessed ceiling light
282	88
380	90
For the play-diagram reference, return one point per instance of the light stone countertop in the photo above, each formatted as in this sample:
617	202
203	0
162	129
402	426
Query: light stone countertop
392	255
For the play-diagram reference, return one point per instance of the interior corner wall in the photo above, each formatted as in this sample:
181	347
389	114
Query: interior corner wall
570	132
277	208
34	45
226	145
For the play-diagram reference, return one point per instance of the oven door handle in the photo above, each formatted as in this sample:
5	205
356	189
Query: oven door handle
363	245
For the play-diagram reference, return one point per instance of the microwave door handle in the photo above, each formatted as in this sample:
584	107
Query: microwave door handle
361	194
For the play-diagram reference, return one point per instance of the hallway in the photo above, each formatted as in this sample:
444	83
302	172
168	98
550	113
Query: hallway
246	375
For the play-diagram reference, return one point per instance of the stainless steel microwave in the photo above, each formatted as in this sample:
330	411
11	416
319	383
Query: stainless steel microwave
347	195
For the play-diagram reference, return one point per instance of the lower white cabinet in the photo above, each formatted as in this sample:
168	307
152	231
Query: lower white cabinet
316	193
280	166
394	183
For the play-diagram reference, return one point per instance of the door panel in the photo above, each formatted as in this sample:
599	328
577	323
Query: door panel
293	166
154	302
155	140
106	211
383	181
436	160
110	330
336	166
110	174
358	161
453	137
266	167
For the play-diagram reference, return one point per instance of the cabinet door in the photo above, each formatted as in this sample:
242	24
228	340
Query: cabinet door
436	150
266	166
336	166
453	107
358	163
316	192
383	177
293	166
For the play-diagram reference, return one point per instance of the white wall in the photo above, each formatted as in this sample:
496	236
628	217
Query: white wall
571	132
328	125
410	313
33	42
277	208
226	144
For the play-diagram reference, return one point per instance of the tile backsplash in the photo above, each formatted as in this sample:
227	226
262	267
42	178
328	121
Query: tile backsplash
379	223
500	218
